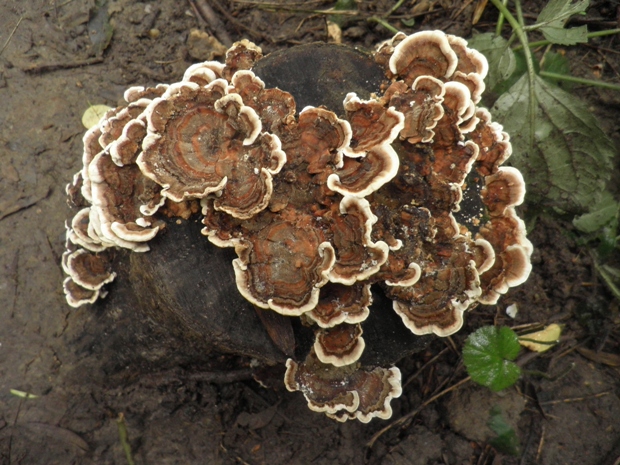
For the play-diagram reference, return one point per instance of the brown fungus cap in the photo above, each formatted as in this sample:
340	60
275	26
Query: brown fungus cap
426	53
241	55
117	195
340	345
404	190
472	67
345	392
202	140
274	107
420	105
204	73
284	265
77	295
341	304
88	270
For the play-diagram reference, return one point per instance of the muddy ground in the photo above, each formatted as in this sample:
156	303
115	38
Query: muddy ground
54	62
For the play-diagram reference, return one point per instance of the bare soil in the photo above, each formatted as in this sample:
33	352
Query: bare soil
54	63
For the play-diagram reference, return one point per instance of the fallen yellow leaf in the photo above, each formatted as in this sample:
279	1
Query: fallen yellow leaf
542	340
93	114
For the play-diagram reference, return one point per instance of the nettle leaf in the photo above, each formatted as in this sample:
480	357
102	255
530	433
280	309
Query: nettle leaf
506	440
602	214
553	17
570	162
488	355
500	56
557	63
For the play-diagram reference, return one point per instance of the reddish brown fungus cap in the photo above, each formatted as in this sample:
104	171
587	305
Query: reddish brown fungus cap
405	190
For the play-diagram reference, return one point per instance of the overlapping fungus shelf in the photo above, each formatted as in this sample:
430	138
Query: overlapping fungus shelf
403	190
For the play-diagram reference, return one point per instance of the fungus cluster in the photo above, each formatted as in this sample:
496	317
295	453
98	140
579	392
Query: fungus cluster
404	190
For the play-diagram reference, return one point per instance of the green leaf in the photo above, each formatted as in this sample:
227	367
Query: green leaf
99	27
570	162
506	441
557	63
553	17
342	5
602	214
488	355
500	56
23	394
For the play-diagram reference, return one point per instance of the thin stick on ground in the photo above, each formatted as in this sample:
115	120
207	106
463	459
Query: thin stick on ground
423	367
46	67
255	35
413	413
206	13
124	438
11	35
575	399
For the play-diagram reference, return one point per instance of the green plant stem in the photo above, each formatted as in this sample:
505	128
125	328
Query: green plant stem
609	280
500	20
590	35
394	8
587	82
517	27
383	23
122	434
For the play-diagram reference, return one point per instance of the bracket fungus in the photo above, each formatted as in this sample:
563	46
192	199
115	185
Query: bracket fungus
401	190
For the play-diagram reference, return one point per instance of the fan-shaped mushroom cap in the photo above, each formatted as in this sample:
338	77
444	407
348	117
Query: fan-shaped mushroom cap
284	265
116	194
471	69
77	233
358	257
339	345
346	392
241	55
505	188
204	141
274	107
77	295
512	264
204	73
405	190
341	304
420	105
426	53
88	270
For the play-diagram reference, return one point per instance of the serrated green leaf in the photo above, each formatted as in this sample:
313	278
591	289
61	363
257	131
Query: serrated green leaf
570	162
601	215
342	5
488	355
561	36
553	17
23	394
99	27
500	56
506	440
557	63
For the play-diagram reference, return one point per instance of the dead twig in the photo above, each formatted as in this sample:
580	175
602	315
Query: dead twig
423	367
576	399
10	207
11	34
413	413
224	377
255	35
541	444
205	12
47	67
214	377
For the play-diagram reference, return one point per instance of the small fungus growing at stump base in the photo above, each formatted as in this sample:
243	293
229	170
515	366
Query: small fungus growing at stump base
395	182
